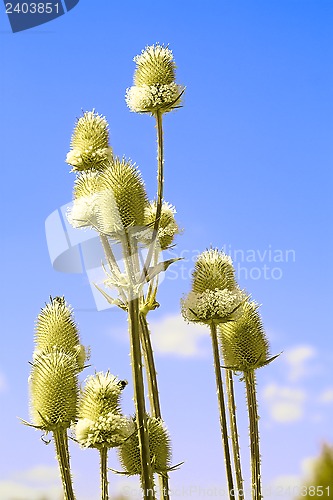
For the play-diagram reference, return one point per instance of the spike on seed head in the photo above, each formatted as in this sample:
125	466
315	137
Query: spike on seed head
100	396
167	228
213	270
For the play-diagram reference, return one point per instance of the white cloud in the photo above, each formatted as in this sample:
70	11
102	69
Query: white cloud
326	396
32	484
285	404
172	335
297	359
288	486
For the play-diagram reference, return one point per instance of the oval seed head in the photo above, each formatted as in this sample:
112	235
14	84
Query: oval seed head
100	396
55	327
216	305
124	181
155	65
167	228
93	206
159	445
154	82
53	390
107	431
213	270
90	143
243	342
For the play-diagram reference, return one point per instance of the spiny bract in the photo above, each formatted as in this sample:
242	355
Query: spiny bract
100	396
90	143
213	270
243	342
53	390
124	181
159	445
55	327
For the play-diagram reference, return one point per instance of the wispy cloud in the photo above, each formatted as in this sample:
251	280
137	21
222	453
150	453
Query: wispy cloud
285	404
297	359
172	336
37	483
326	396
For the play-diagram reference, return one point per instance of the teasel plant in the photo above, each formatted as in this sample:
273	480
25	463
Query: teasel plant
245	348
110	197
100	423
57	360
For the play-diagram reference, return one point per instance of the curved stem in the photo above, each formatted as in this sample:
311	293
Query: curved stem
223	418
234	433
62	452
250	383
113	265
103	452
160	182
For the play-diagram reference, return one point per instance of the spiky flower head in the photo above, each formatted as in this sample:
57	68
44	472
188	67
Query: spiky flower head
90	143
55	328
216	305
213	270
159	445
243	342
100	396
53	390
108	431
154	82
123	180
167	228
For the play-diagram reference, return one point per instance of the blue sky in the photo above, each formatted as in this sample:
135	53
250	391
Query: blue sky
248	167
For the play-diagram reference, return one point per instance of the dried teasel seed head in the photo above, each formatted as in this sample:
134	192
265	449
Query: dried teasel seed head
53	390
159	445
213	270
55	327
243	342
90	143
167	228
155	65
124	181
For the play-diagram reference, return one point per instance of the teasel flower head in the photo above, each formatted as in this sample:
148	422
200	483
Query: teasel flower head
100	396
123	180
159	445
218	306
90	143
213	270
167	228
53	389
244	344
100	421
55	328
154	86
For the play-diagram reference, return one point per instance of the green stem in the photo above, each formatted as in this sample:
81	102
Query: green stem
250	382
234	433
113	265
223	418
153	393
103	452
62	452
147	479
160	182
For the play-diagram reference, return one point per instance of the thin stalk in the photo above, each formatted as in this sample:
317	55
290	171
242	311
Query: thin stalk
62	452
153	393
223	418
160	182
234	432
103	452
113	264
250	383
147	479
